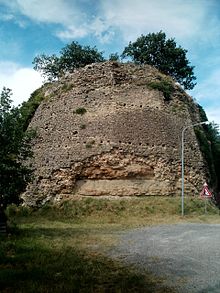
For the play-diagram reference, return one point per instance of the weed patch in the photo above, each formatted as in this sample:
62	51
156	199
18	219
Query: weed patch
80	111
165	86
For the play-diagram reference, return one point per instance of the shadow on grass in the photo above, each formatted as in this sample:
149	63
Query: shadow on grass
29	264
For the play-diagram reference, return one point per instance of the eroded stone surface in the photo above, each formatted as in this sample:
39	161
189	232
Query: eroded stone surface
126	143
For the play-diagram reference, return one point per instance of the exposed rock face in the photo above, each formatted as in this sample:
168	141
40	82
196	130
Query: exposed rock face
103	131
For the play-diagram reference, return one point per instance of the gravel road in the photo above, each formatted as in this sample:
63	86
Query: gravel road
186	255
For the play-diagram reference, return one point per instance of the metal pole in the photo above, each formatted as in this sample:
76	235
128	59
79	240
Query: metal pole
182	162
205	206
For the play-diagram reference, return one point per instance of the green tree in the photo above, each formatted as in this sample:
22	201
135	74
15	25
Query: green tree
72	56
155	50
48	66
209	141
75	56
114	57
15	148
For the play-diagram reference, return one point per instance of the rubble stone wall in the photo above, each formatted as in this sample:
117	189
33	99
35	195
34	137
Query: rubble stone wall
103	131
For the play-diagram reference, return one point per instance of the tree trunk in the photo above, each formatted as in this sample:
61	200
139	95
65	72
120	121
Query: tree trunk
3	222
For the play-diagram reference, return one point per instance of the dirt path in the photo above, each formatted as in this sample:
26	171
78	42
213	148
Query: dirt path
186	255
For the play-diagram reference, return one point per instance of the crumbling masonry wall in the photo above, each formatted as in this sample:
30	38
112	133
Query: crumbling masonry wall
104	131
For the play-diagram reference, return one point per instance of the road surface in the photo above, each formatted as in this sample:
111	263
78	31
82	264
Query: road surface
186	255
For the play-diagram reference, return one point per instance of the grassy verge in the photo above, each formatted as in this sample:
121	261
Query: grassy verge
62	248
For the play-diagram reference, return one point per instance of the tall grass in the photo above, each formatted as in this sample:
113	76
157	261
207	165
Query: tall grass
124	212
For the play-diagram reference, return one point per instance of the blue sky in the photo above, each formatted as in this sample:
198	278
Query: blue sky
32	27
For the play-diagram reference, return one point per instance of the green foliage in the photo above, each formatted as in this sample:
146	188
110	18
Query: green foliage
205	148
90	144
80	111
82	126
75	56
28	108
114	57
66	87
155	50
72	56
202	114
48	65
213	138
164	85
209	141
15	148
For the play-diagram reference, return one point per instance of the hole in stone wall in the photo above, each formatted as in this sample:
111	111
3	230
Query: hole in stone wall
140	143
129	142
124	105
75	132
140	106
119	141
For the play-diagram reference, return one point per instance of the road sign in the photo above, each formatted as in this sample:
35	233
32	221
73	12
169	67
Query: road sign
205	193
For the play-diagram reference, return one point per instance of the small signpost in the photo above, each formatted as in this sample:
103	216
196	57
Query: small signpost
205	194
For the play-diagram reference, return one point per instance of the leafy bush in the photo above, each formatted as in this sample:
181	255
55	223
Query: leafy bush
28	108
209	141
82	126
164	85
80	111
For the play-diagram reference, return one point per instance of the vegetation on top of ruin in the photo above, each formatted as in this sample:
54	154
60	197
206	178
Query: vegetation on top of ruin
164	85
153	49
72	56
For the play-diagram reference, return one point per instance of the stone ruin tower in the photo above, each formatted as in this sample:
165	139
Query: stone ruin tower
104	131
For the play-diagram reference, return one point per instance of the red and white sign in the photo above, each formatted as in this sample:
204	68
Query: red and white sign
205	191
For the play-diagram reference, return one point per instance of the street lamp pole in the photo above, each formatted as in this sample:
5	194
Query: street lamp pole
182	161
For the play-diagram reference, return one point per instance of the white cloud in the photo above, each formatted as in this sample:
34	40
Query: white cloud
183	19
71	32
51	11
22	80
